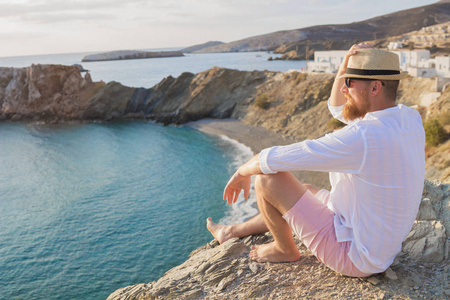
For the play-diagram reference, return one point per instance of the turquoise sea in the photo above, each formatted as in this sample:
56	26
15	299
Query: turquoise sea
87	208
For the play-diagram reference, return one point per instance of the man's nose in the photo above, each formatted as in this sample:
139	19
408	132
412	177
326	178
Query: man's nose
344	89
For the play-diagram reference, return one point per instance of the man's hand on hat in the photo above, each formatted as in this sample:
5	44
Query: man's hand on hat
355	47
352	51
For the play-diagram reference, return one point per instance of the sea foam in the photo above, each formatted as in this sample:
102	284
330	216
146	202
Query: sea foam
243	209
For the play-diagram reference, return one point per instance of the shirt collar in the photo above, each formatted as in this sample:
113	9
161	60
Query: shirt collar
376	114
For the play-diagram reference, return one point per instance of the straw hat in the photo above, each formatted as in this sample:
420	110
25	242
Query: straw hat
374	64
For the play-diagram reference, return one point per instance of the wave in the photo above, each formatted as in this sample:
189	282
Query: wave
243	209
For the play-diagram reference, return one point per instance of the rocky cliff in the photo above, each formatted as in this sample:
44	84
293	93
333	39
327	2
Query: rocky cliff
225	272
59	93
45	92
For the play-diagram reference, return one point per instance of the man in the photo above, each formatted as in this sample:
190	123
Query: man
376	166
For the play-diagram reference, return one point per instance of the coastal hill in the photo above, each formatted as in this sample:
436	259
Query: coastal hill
341	36
436	38
201	46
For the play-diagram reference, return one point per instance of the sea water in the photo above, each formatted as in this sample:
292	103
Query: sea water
148	72
87	208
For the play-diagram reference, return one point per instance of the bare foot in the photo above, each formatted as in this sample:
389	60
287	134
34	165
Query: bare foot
271	253
222	233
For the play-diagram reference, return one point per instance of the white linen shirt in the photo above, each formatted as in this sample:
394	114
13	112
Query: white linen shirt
377	167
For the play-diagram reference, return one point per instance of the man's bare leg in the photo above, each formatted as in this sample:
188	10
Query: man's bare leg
276	194
223	233
256	225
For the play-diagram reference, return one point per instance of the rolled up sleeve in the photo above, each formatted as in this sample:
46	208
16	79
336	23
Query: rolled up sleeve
336	112
263	162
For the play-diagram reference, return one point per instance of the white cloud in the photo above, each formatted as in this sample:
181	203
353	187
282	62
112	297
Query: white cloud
91	25
52	18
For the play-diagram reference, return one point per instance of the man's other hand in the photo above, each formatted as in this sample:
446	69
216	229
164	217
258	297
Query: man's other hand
234	187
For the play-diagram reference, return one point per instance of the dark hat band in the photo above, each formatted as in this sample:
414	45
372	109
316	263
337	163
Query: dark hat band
371	72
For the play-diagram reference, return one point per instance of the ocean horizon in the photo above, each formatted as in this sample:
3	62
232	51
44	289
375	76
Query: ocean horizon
148	72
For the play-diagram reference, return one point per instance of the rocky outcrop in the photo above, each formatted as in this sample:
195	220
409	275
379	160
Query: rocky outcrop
129	54
55	93
291	55
43	92
216	93
427	240
59	93
225	272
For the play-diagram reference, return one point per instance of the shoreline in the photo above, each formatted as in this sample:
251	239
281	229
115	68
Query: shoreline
257	139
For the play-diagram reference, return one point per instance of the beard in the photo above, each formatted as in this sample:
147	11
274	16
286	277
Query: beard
351	112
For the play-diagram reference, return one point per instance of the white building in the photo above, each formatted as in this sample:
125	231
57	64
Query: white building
394	45
413	58
442	66
417	62
326	61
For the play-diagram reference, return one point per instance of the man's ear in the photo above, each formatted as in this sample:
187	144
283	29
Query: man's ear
376	87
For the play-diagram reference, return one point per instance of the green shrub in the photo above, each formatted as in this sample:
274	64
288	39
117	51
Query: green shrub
262	101
335	124
434	133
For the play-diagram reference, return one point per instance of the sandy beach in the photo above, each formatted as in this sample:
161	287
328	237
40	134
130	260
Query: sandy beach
257	139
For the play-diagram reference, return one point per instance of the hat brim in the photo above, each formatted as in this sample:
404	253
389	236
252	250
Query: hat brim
379	77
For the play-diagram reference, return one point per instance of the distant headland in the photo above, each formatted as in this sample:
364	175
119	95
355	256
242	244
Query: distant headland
129	54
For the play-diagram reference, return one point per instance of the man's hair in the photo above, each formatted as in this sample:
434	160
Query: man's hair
390	90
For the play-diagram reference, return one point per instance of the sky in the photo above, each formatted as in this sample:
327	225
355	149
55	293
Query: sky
32	27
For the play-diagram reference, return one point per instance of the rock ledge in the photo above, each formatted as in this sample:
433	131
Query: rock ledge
225	272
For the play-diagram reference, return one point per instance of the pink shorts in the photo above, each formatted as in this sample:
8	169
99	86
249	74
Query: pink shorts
313	222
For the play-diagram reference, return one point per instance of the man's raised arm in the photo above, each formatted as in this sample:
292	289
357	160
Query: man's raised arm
337	98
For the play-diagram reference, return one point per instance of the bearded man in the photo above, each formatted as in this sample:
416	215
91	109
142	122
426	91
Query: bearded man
376	166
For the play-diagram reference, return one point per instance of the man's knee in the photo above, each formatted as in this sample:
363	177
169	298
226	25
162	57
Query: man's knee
275	181
262	180
282	190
